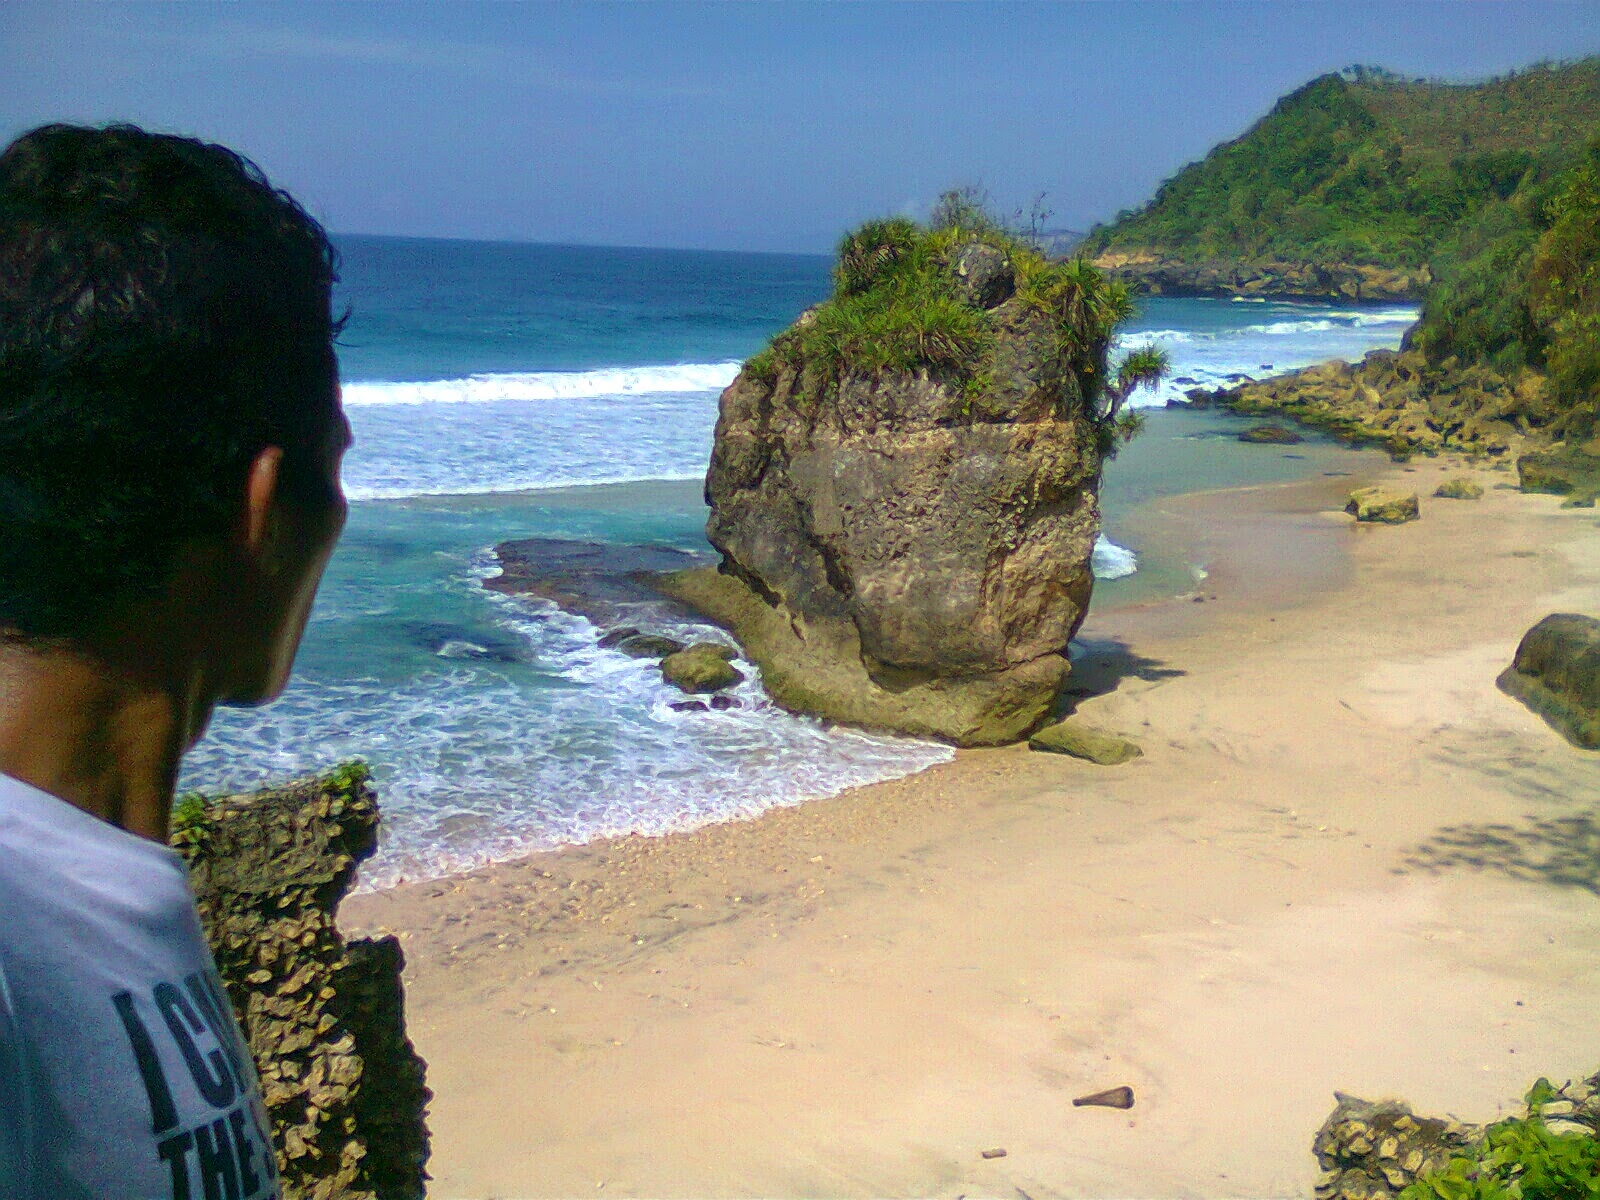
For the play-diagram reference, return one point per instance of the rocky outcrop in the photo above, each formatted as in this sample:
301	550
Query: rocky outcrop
1571	471
1399	400
324	1019
1159	274
902	550
1556	673
1383	507
1373	1151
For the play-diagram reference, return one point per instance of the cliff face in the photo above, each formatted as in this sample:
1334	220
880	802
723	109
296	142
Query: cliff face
324	1019
902	549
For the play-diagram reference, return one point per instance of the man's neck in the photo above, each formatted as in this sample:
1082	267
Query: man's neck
103	739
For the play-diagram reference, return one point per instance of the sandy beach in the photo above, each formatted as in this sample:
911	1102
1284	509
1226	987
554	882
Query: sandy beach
1341	864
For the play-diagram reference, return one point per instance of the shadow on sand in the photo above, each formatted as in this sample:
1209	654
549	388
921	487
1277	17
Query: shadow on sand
1099	665
1564	851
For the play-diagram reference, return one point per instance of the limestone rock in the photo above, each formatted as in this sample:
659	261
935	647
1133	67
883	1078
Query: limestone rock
1384	507
702	667
902	552
984	274
1271	435
1086	742
1372	1151
1459	489
324	1019
1556	673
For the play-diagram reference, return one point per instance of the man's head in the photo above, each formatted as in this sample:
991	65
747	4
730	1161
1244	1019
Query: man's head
170	427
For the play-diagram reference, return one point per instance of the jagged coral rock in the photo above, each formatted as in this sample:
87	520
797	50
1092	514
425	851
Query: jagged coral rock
1372	1151
324	1019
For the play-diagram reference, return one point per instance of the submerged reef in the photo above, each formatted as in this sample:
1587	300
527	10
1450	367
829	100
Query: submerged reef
324	1018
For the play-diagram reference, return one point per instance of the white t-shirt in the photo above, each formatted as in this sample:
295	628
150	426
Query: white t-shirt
122	1072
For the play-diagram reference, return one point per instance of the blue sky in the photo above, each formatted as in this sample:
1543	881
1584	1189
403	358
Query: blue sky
729	126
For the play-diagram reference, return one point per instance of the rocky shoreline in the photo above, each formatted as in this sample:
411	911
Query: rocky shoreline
1155	274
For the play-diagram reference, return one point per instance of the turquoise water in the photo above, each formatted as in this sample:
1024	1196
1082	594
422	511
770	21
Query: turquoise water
504	391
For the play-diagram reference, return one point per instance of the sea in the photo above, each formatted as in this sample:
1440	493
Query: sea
511	390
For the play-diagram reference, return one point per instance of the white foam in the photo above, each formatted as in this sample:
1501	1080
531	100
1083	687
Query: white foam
547	385
1111	561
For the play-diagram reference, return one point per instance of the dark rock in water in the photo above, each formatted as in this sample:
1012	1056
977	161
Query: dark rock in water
457	641
689	706
1271	435
724	703
899	552
703	667
1185	379
1236	377
1383	507
1266	366
1563	471
1198	398
613	637
1373	1151
649	645
324	1019
1556	673
603	582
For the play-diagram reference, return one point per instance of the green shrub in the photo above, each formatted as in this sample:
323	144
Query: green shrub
1520	1159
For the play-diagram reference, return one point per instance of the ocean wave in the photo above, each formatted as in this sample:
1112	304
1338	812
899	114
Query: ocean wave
1111	561
547	385
516	484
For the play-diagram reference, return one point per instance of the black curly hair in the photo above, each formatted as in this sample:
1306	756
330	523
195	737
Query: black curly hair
164	316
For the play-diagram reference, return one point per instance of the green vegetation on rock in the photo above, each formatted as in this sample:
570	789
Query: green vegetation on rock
1520	1158
1367	167
915	300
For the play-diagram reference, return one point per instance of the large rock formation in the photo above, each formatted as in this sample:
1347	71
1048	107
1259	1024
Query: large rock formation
1556	672
902	549
324	1019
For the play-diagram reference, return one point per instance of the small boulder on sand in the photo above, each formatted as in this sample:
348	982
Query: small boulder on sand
1086	742
1460	488
1384	507
702	667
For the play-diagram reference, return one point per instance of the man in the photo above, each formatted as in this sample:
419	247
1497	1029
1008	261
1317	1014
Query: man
170	440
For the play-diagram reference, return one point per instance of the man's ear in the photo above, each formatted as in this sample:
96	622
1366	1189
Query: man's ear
262	485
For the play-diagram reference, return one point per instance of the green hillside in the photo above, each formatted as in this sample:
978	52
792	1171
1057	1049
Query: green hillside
1364	167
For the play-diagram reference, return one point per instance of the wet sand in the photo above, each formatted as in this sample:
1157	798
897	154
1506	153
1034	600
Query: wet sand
1340	864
